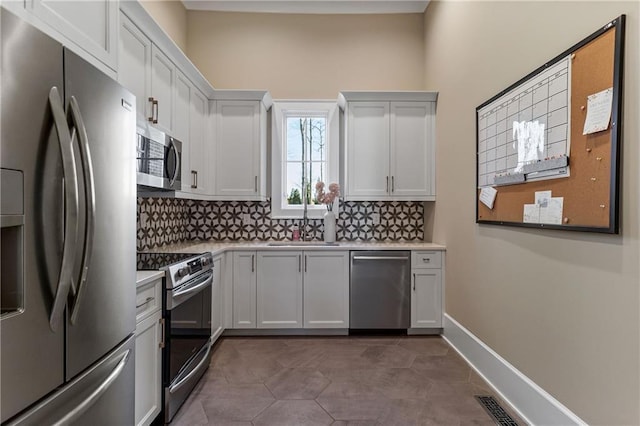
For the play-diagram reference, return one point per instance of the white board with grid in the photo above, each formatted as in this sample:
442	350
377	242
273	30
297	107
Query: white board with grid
528	124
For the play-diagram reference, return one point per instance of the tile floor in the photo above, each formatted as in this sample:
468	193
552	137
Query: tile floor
337	381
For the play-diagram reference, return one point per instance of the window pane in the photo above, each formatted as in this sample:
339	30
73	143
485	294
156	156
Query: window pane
293	185
294	139
317	140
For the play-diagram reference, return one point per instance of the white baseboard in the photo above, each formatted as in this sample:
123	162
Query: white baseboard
532	403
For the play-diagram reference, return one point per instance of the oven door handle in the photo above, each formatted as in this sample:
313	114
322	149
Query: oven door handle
207	281
173	388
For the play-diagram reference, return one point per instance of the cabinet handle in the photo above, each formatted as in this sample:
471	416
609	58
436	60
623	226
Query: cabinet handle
194	179
426	260
387	184
414	282
393	185
154	110
299	263
253	258
149	299
161	344
305	263
255	184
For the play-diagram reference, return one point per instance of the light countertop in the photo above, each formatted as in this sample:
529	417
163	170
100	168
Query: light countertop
217	247
144	277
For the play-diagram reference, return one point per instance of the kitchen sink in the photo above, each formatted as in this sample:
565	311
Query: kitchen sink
300	244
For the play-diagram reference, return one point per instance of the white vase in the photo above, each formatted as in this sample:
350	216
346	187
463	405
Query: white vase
329	227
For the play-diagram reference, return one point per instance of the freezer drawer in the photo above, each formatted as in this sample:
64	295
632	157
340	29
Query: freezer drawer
102	395
380	290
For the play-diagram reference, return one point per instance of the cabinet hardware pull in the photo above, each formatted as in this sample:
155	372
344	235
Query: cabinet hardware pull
194	179
426	260
393	185
387	184
154	110
299	263
305	263
161	344
149	299
255	184
414	282
253	269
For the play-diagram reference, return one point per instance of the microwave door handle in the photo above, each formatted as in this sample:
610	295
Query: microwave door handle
90	202
71	209
172	147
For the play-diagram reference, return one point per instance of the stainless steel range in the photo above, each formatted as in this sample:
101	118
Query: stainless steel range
187	311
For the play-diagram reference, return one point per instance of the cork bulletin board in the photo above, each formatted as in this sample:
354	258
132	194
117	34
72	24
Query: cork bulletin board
548	147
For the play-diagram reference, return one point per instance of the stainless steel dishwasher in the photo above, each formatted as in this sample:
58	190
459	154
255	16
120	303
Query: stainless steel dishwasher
380	296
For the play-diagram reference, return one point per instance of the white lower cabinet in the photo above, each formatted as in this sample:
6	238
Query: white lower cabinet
427	292
291	289
244	289
148	355
279	289
326	289
217	302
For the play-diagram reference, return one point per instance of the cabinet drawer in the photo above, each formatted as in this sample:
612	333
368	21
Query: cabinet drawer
148	299
426	259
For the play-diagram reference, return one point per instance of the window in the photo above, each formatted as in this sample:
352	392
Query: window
305	151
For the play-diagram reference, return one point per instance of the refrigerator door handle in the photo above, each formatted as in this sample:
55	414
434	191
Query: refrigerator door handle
72	415
90	202
71	209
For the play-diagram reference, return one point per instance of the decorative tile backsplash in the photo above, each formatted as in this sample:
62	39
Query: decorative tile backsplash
166	221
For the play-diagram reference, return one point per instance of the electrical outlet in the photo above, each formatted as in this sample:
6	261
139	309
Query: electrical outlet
375	218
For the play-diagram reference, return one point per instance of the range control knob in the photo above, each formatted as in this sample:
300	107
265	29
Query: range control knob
183	272
205	261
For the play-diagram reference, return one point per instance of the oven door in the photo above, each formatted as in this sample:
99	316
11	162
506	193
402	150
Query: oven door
188	347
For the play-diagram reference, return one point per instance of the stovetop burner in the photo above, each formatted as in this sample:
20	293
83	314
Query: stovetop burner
155	261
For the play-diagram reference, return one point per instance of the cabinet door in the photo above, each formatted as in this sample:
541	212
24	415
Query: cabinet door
197	180
412	172
148	358
238	149
162	81
134	64
90	24
244	290
326	289
367	172
216	302
426	299
279	289
181	109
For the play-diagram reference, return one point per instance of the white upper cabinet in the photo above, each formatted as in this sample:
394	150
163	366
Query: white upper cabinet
240	145
92	25
389	145
134	64
181	107
163	74
196	159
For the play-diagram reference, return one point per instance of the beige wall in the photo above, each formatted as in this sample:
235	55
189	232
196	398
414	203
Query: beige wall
561	307
171	15
308	56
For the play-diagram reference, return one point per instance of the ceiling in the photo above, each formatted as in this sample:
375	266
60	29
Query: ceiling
310	6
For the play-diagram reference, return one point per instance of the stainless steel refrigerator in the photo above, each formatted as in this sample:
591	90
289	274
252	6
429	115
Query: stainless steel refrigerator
68	212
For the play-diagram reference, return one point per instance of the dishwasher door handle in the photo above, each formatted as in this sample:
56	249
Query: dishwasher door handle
380	258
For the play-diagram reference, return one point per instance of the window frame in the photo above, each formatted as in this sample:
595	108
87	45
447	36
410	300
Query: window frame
281	110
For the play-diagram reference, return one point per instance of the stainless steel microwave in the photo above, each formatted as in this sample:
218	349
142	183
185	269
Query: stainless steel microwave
159	158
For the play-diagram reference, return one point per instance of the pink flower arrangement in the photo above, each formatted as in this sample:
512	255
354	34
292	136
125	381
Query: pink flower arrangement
329	197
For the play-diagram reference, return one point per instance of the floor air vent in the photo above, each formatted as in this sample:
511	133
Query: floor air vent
494	409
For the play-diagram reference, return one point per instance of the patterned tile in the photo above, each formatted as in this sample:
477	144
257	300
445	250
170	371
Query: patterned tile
164	221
